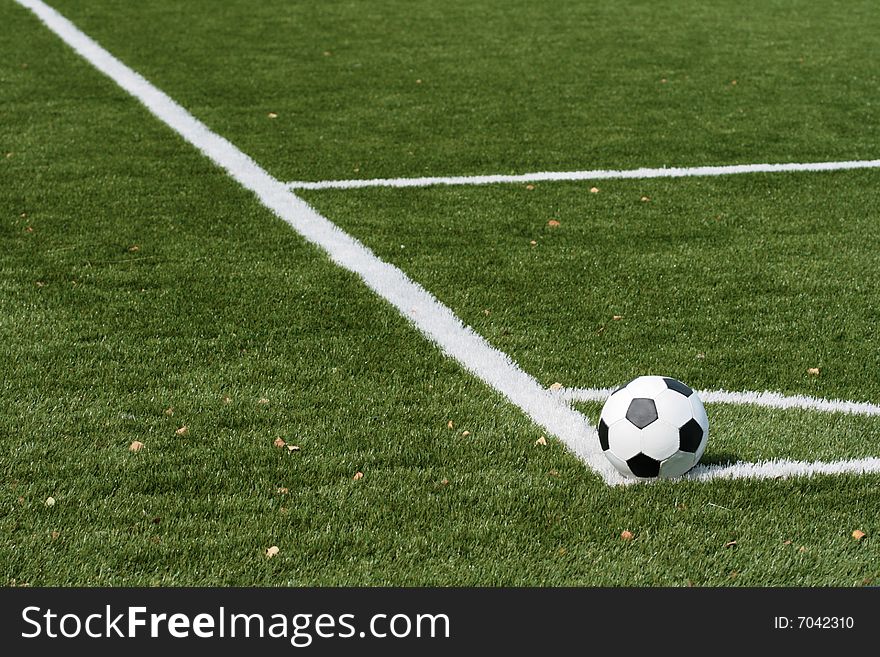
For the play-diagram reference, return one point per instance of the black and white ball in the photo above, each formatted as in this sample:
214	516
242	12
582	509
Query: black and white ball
653	427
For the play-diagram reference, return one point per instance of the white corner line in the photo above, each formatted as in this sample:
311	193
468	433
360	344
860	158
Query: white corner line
598	174
766	399
437	322
783	469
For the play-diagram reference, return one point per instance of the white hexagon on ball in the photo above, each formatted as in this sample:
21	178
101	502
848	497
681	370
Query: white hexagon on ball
660	440
619	464
673	407
699	411
615	408
624	440
677	464
647	386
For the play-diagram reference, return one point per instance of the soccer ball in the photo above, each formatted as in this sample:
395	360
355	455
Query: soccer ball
653	427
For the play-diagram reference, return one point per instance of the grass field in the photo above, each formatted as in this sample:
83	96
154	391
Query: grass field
147	297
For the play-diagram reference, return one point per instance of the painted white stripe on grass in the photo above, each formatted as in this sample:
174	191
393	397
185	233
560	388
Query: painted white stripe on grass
783	469
598	174
767	399
434	319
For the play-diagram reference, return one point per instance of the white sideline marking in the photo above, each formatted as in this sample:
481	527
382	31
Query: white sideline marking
598	174
783	469
435	320
767	399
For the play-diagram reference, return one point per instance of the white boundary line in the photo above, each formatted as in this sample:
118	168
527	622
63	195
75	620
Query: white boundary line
433	319
784	469
598	174
766	399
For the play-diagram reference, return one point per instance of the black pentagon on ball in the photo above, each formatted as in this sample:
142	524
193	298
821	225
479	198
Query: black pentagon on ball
641	412
690	436
603	435
643	465
678	386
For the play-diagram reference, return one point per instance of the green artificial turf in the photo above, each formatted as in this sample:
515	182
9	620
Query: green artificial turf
143	291
742	282
393	88
739	283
